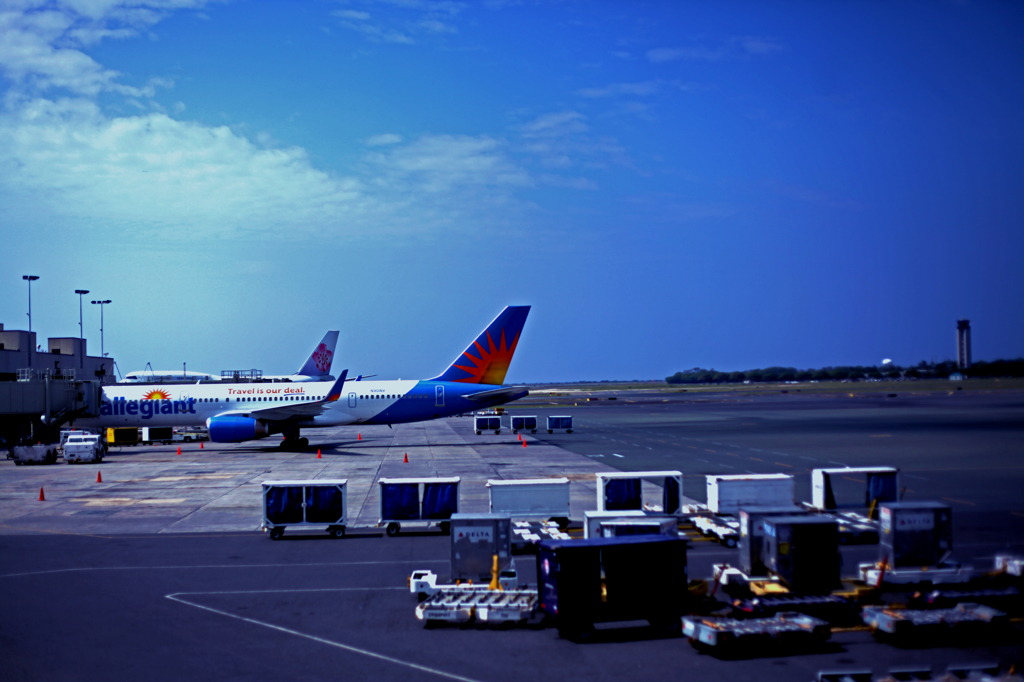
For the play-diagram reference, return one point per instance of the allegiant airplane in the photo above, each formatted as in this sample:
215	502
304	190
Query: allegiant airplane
237	412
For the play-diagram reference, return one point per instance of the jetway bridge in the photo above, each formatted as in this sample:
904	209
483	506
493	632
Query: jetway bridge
34	407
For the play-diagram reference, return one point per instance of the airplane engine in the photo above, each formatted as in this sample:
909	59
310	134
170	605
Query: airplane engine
235	429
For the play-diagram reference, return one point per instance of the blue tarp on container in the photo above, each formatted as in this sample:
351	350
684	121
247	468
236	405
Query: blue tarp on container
622	494
670	495
882	487
324	504
284	504
440	500
400	501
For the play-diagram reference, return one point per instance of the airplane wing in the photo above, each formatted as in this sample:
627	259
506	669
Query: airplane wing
503	392
301	410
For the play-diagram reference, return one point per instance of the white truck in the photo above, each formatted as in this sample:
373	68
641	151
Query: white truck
84	448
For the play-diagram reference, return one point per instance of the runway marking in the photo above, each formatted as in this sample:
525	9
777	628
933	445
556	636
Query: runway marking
755	449
709	450
953	499
693	447
756	459
783	465
920	478
811	459
615	454
178	568
321	640
595	455
732	454
726	466
839	463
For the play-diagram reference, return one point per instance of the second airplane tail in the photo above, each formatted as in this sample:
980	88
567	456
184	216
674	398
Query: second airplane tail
319	361
487	359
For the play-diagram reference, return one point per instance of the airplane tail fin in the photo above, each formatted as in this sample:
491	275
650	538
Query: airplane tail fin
334	394
487	359
319	362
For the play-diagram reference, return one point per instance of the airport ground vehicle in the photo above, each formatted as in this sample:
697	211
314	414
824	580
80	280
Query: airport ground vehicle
84	448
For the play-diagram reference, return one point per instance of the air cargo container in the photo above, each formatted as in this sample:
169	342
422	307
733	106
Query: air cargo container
803	551
546	498
400	502
583	582
158	434
476	540
727	494
618	528
882	485
751	541
915	534
308	503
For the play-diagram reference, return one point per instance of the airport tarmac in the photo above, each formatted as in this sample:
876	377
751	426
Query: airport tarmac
157	572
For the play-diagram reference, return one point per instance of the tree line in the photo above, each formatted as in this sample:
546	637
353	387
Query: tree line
923	370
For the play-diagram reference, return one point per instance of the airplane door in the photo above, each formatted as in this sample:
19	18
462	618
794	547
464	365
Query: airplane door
439	396
351	399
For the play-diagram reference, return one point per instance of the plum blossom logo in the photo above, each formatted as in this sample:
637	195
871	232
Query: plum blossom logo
322	358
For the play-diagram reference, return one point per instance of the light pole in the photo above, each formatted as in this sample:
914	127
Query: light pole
30	279
81	335
101	304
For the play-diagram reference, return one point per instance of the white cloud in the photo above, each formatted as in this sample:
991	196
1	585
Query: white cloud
384	139
736	46
351	14
555	124
639	89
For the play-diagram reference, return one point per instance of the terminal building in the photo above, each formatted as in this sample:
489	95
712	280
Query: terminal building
41	390
963	344
64	358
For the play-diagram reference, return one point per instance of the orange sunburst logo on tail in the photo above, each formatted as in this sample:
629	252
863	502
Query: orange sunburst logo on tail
492	365
157	395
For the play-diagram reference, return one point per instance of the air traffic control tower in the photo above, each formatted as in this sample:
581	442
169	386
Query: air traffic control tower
963	344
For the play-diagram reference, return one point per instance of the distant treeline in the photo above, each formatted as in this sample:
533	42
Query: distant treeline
939	370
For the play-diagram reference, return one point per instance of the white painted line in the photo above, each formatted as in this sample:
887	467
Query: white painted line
921	478
321	640
839	463
649	447
715	443
726	466
810	459
595	455
755	450
615	454
179	568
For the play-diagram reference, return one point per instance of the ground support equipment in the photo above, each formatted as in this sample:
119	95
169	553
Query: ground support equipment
730	635
902	622
725	530
831	608
526	534
461	604
874	574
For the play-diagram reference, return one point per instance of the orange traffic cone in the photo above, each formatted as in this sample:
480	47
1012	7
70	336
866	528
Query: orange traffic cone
318	454
200	445
520	436
179	449
359	437
406	458
42	497
99	477
524	443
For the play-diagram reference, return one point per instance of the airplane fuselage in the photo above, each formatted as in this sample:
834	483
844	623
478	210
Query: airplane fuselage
361	402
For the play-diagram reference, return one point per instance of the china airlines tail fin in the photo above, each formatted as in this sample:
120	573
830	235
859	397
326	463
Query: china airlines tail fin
487	359
319	362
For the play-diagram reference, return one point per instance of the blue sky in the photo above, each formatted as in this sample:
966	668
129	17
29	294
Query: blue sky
670	185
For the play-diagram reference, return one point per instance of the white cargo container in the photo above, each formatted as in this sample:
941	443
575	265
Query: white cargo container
592	520
728	494
881	485
83	448
640	490
546	498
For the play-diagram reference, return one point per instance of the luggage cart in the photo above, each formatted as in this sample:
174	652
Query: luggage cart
400	502
481	424
623	491
546	498
560	423
314	503
524	424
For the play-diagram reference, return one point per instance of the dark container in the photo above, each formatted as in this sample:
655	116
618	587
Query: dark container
476	539
803	551
752	536
915	534
583	582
